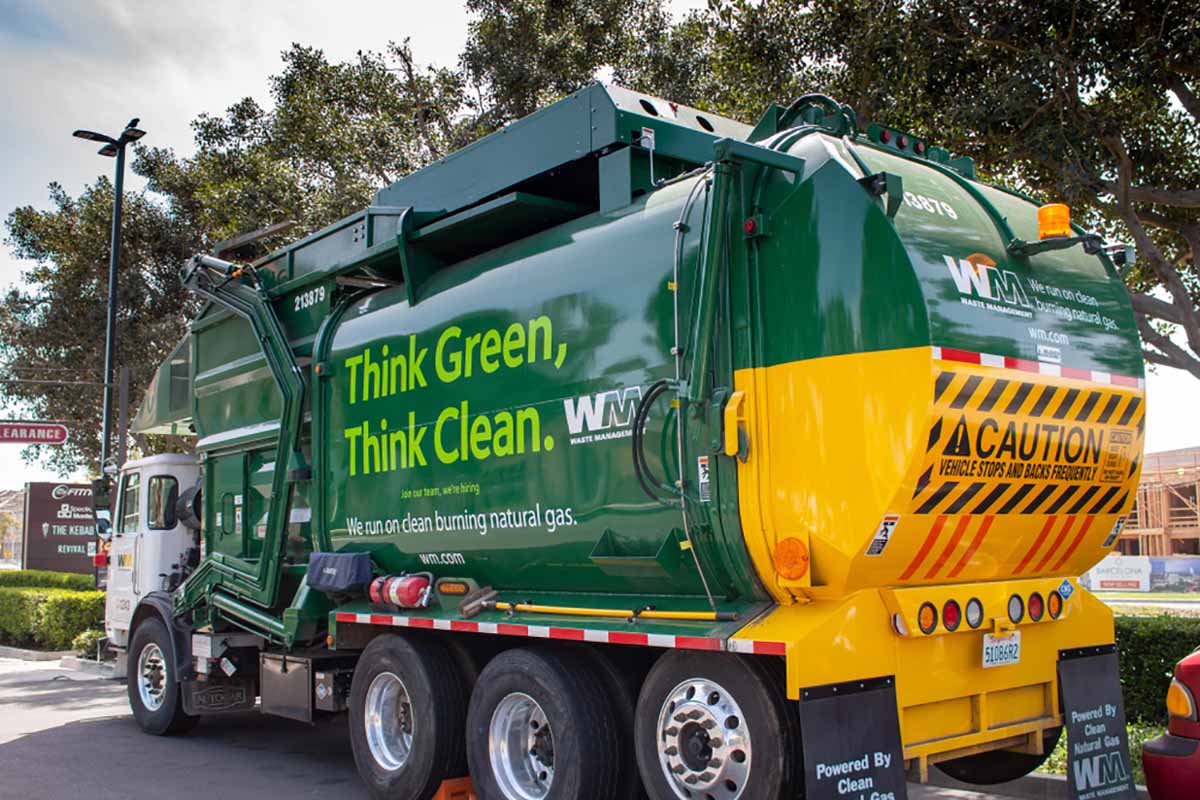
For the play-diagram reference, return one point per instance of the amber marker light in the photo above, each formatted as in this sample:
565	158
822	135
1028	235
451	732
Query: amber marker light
1054	605
1054	220
791	558
1180	703
927	617
455	588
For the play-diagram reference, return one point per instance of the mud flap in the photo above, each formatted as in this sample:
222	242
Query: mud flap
852	745
1098	764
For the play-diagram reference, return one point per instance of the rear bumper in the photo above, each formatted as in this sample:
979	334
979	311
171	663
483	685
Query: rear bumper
949	704
1172	766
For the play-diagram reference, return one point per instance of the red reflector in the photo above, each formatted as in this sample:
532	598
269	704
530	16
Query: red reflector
750	226
1036	607
902	141
951	615
919	146
885	136
100	560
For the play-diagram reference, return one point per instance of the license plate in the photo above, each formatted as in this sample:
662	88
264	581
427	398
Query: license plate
999	650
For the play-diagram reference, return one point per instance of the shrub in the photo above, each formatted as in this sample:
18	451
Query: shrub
45	579
18	614
86	644
1149	648
48	617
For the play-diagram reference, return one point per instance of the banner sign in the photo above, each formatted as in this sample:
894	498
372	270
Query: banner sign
32	432
1120	573
1098	765
852	746
60	526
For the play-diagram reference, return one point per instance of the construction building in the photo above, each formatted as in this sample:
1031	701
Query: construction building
1165	521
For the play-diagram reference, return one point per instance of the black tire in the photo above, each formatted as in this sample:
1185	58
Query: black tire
623	681
437	703
167	718
999	766
573	697
752	687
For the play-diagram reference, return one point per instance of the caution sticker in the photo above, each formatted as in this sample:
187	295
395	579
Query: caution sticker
883	534
1001	444
702	478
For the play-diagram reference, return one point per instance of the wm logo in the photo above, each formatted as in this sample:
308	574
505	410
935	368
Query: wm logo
1099	770
977	275
592	413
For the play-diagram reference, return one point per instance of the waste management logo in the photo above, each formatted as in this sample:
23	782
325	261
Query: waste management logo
982	284
602	416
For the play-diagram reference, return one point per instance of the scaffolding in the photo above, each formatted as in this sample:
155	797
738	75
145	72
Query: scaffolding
1165	520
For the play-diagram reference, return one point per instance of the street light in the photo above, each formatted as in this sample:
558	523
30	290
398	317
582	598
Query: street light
112	147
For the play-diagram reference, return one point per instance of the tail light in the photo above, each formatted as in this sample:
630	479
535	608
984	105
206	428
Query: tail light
951	615
100	560
1055	605
927	617
1037	607
1016	609
974	612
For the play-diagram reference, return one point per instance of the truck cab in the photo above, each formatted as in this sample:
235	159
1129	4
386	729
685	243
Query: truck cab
150	543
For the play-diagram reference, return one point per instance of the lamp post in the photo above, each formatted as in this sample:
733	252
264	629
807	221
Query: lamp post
112	147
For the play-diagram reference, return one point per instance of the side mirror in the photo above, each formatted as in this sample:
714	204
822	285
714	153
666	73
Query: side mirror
103	527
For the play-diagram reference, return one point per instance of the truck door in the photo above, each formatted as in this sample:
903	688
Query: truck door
123	591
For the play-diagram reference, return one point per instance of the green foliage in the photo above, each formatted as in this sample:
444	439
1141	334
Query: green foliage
50	618
87	643
46	579
1149	648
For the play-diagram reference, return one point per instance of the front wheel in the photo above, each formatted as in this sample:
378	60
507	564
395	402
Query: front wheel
153	681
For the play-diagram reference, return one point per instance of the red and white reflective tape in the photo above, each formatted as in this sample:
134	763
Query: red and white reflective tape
570	634
1036	367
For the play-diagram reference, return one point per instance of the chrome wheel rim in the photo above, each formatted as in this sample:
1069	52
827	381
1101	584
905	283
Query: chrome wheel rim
521	748
388	720
703	742
151	676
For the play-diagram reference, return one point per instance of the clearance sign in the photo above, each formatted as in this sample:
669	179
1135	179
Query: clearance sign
1025	472
1027	446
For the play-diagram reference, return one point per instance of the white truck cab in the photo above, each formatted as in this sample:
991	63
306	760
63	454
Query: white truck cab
150	544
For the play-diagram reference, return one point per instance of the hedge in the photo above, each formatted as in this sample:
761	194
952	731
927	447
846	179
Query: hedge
45	579
51	618
1149	648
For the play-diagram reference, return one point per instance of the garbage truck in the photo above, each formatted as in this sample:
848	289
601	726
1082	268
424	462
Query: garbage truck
598	458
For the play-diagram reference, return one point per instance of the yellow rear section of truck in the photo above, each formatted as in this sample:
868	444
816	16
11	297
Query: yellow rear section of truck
970	478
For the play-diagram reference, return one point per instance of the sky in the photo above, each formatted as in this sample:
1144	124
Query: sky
71	64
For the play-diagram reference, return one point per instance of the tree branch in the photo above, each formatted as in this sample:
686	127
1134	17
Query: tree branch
1168	354
1153	194
1181	299
1158	309
1185	94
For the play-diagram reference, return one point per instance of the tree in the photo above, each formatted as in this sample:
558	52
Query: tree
334	134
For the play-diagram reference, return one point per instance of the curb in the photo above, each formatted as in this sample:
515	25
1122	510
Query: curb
1035	786
34	655
101	669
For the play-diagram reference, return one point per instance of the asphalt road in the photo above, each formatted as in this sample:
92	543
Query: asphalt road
70	735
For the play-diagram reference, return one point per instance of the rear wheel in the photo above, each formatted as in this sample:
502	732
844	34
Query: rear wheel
541	727
716	728
407	707
999	766
152	681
